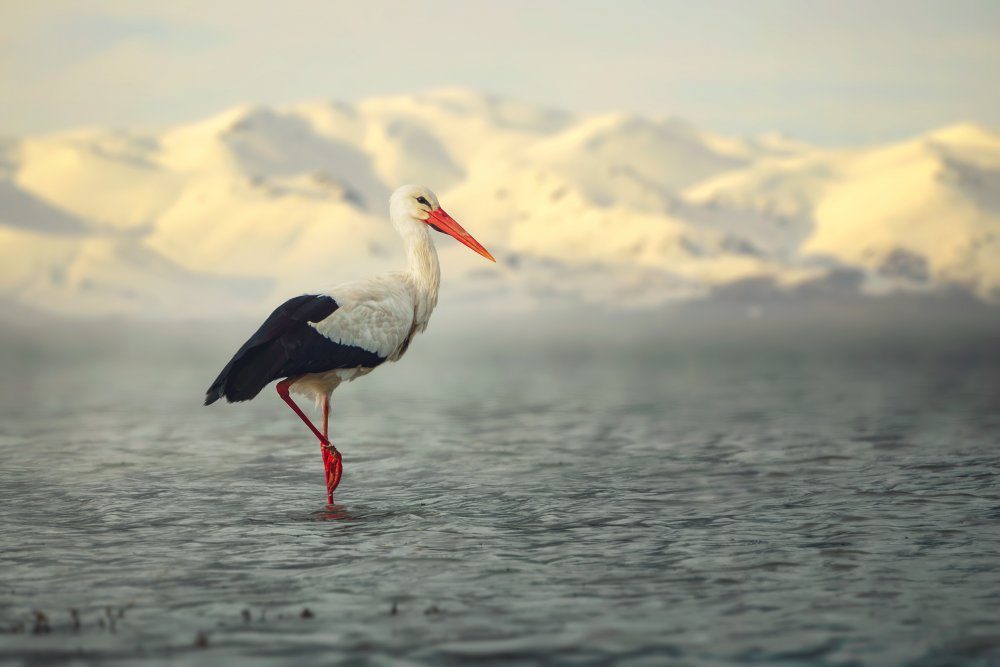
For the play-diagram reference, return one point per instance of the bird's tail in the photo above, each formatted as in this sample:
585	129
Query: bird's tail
214	393
219	387
244	377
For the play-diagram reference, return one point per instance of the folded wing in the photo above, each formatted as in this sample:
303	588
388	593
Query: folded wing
288	344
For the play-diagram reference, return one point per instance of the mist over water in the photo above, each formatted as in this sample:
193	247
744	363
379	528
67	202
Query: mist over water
806	498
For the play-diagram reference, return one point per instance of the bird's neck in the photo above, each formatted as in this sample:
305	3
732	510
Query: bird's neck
424	272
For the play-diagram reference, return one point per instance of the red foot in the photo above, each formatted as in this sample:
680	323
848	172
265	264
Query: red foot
333	465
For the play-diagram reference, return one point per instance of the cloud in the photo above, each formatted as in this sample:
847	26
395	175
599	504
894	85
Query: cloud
739	66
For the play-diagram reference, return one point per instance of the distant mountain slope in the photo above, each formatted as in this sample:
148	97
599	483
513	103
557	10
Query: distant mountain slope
916	215
86	275
250	205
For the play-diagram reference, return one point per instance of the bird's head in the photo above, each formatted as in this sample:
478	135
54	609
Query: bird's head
417	205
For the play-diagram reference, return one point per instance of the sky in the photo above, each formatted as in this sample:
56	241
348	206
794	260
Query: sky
831	72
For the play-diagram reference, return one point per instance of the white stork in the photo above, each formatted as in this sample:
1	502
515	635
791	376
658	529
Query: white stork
313	342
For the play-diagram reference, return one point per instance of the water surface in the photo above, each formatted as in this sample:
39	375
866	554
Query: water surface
645	504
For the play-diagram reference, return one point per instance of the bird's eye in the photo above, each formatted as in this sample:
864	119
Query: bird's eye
421	200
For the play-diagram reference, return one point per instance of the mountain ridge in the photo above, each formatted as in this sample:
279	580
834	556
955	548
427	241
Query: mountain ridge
256	203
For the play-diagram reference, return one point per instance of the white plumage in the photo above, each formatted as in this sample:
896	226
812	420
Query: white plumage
382	314
313	343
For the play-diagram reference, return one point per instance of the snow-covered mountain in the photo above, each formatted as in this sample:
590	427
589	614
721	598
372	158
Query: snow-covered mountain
237	211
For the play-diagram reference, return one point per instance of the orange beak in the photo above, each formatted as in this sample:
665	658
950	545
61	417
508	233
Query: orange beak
443	222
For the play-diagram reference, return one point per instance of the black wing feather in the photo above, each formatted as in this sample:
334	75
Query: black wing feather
284	346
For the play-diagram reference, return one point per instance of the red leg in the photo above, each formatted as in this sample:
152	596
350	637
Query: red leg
332	460
331	457
283	392
323	451
326	417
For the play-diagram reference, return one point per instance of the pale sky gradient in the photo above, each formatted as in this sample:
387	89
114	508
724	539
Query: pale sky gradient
834	72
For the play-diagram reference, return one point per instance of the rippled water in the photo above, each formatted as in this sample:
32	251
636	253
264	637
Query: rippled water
643	505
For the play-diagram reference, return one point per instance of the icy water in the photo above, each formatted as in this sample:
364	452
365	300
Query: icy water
780	503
